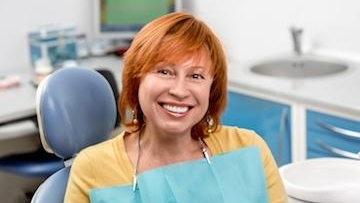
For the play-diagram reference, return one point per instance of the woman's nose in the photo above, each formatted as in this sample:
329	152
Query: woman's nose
179	88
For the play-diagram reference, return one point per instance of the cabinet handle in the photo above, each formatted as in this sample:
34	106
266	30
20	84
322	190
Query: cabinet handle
339	152
342	131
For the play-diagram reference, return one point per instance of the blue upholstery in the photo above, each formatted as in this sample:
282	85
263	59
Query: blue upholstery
75	108
53	189
37	163
32	164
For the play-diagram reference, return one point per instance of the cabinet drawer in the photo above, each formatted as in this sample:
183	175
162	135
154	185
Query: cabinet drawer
329	135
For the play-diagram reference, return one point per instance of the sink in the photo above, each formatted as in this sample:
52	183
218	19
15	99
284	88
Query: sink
299	67
323	180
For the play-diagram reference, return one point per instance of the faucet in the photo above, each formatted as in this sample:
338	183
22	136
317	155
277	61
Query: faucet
296	33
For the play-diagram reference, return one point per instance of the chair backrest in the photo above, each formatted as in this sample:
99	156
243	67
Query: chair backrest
110	77
75	108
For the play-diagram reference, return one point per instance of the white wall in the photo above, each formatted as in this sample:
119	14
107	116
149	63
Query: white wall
253	29
250	29
18	17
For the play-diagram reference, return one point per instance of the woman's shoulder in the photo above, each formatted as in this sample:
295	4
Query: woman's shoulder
103	148
227	138
236	134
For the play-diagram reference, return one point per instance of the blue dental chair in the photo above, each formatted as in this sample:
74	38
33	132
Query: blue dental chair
75	109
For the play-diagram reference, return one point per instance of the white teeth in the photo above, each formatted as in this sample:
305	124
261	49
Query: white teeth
176	109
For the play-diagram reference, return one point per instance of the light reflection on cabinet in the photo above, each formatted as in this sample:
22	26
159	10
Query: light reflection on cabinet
269	119
329	135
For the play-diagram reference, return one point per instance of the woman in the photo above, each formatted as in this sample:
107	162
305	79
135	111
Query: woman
173	149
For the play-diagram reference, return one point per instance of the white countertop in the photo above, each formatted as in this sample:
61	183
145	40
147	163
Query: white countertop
337	93
19	102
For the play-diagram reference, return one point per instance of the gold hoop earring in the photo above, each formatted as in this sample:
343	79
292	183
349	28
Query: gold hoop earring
210	122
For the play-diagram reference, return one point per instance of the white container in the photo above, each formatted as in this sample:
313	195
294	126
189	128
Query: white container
323	180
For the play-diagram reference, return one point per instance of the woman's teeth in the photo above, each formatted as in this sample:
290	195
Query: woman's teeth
176	109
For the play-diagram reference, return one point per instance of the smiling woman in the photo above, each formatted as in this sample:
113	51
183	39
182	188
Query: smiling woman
174	86
176	97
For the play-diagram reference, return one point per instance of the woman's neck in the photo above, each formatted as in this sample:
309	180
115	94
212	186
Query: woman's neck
147	151
162	150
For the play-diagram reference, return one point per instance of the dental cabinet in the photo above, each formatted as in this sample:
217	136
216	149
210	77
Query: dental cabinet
271	120
292	132
329	135
311	117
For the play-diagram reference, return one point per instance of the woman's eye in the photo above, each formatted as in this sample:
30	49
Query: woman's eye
164	72
197	76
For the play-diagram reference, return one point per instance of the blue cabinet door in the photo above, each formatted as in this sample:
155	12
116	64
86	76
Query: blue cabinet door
269	119
329	135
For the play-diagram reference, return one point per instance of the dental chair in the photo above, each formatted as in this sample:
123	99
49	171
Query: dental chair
75	109
35	163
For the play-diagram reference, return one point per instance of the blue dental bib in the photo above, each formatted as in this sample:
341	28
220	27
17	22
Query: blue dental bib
235	176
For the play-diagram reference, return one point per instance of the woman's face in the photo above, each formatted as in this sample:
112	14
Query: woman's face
174	97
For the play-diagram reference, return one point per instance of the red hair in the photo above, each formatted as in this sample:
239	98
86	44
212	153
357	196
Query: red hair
173	37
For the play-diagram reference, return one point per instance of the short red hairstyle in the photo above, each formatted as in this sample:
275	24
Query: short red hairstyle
172	37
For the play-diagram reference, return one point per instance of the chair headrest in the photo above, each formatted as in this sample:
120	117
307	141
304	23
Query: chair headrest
76	108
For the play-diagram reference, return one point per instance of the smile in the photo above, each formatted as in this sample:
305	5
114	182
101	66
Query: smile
176	109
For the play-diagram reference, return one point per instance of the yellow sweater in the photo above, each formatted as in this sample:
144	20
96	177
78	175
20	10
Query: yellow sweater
107	164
